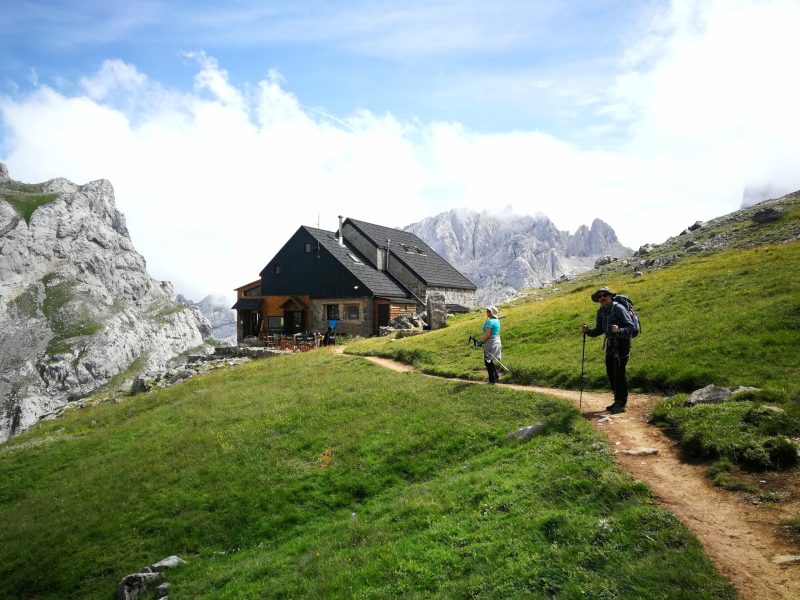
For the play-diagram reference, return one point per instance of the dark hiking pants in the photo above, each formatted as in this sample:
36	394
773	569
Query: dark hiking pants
492	370
618	352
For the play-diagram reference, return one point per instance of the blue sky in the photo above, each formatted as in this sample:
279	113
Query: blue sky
210	117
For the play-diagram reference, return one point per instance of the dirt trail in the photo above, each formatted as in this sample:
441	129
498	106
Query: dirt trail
740	536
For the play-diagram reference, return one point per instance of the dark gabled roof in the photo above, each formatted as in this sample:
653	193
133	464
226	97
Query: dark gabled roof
378	282
421	259
247	304
293	302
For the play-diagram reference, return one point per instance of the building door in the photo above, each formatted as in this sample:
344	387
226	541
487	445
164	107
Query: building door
251	324
383	315
293	321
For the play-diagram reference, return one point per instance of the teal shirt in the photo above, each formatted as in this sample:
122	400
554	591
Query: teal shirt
493	324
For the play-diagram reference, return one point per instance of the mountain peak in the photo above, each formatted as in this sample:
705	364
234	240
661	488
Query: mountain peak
78	306
503	254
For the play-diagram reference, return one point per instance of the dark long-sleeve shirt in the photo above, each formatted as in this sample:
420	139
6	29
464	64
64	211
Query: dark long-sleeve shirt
615	315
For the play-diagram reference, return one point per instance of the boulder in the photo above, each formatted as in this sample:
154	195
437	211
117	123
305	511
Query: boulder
138	584
149	583
767	215
139	386
712	394
437	311
604	260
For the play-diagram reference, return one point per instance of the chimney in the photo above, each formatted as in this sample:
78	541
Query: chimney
341	233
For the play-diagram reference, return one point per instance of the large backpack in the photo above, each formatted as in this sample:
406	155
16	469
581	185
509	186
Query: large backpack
627	304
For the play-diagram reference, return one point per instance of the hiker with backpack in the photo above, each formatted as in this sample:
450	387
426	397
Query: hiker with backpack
617	320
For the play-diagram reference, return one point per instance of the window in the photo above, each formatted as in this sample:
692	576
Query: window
351	312
332	312
275	323
407	248
308	247
419	250
354	258
277	269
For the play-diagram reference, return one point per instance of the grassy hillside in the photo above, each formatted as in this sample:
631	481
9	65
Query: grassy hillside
731	318
324	476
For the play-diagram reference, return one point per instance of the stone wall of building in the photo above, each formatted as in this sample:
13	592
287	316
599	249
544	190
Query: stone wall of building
361	326
456	296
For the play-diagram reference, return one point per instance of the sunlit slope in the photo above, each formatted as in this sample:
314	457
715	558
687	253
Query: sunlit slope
731	318
318	475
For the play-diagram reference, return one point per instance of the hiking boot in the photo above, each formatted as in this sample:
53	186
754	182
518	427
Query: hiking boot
616	409
610	406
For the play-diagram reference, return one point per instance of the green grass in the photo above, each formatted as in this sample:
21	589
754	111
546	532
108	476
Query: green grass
24	202
325	476
162	315
725	319
66	324
744	432
26	303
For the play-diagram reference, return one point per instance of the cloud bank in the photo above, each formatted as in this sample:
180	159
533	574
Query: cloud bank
215	179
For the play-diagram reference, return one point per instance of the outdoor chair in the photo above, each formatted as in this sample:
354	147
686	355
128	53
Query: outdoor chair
308	341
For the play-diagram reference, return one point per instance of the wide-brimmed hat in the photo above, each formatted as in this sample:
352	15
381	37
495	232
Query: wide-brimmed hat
492	309
601	290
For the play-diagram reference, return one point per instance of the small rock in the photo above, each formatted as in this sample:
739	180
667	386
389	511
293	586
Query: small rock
697	225
641	451
526	432
168	563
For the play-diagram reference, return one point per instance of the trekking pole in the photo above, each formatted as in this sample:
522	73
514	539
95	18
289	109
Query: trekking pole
493	357
583	356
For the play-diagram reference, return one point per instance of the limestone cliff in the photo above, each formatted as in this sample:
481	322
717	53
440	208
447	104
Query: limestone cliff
78	309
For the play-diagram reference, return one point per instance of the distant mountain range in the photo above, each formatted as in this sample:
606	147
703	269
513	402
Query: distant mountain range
217	309
502	255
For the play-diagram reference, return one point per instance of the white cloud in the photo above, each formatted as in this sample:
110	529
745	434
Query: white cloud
214	181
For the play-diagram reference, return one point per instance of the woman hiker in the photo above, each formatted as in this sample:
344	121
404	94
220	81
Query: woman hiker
614	321
492	348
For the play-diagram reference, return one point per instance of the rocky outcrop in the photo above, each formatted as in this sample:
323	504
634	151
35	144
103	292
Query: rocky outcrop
502	256
150	582
78	309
